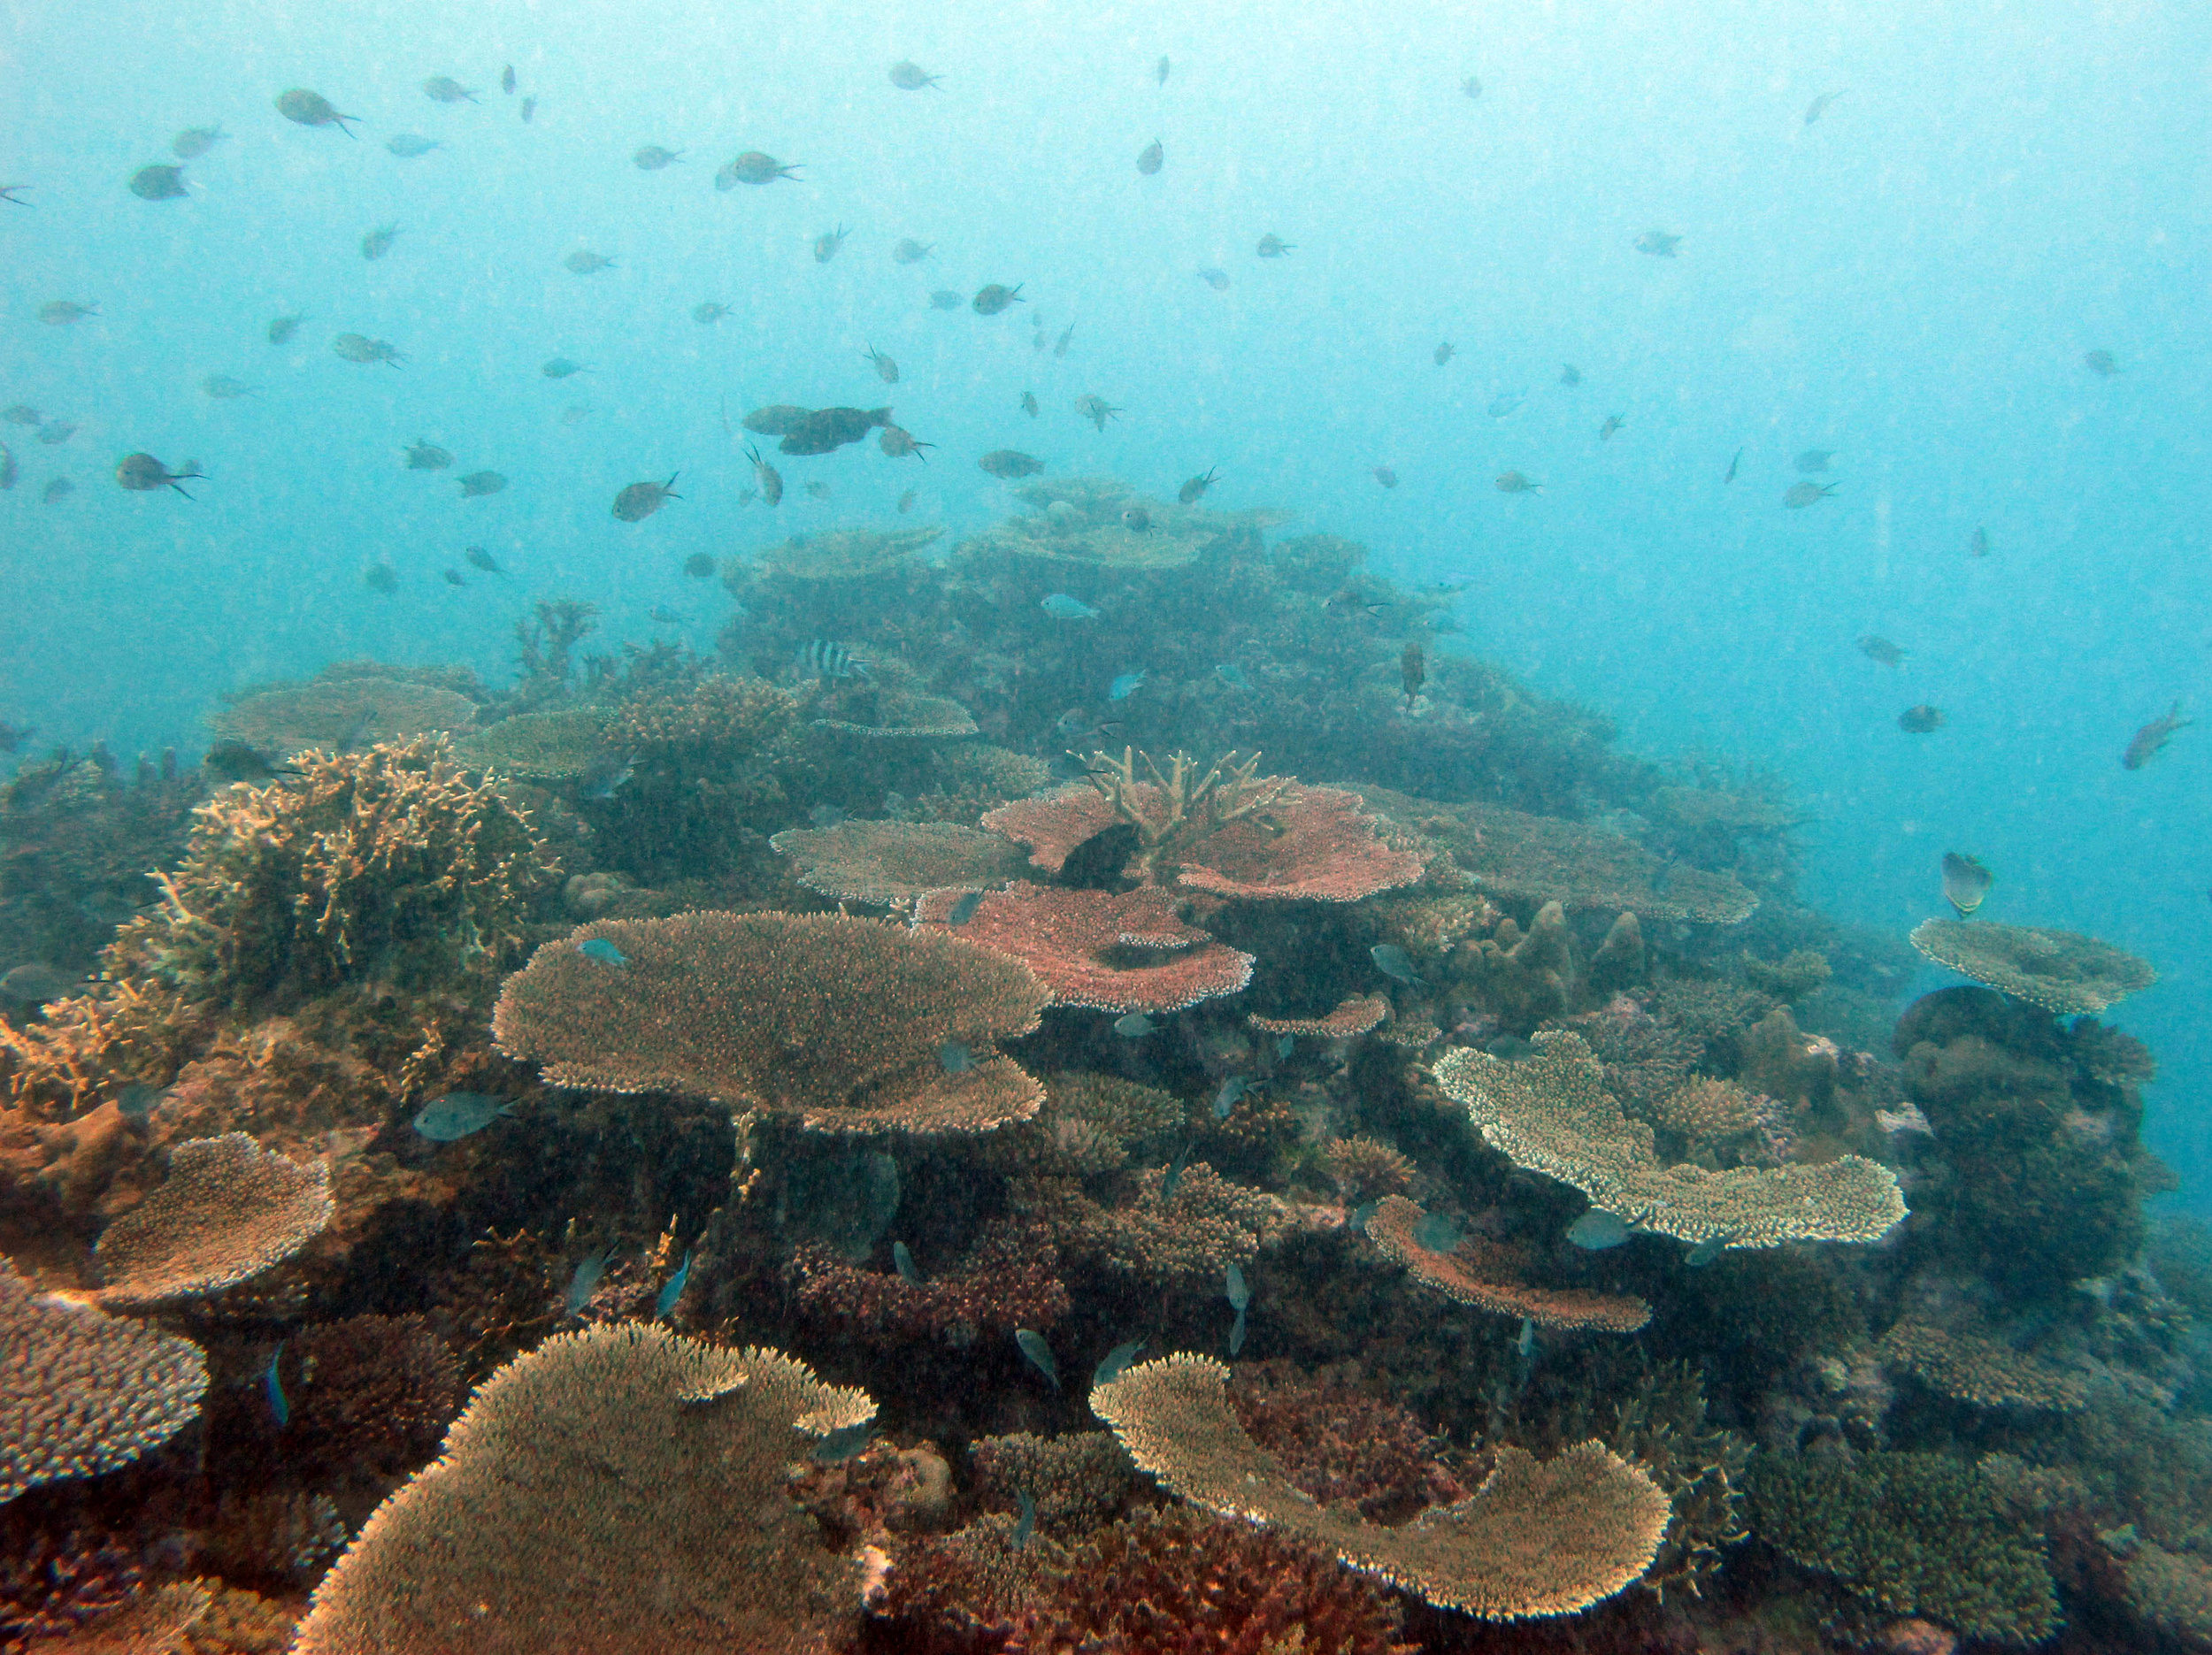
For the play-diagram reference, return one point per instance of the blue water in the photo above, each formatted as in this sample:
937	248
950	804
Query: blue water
1911	280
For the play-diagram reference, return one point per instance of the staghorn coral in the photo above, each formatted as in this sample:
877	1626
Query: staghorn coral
617	1488
83	1392
240	1622
1366	1169
1542	859
1549	1113
1535	1540
1353	1017
1917	1534
837	1020
336	715
2061	971
229	1211
1486	1274
1968	1367
558	745
371	1393
1342	1445
1125	952
889	862
2173	1591
1078	1481
1207	1224
387	864
1700	1467
57	1068
844	554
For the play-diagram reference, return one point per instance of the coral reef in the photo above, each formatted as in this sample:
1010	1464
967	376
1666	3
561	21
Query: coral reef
1127	952
228	1211
2061	971
1486	1275
1342	1446
889	862
1352	1017
1078	1481
558	745
339	715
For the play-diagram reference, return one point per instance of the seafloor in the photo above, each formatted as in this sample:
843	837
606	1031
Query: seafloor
1112	1088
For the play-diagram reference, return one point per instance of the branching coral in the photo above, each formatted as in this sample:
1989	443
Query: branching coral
1535	1539
1488	1276
83	1392
617	1488
1549	1113
1009	1279
151	1623
371	1393
888	862
1111	952
1342	1446
2060	970
229	1211
843	1022
1206	1223
1078	1481
714	721
1366	1169
387	864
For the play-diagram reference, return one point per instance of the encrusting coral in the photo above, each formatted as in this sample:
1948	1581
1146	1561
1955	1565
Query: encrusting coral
1535	1539
843	1022
228	1211
617	1488
2061	971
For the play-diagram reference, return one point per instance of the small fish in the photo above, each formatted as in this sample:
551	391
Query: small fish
223	388
909	252
581	1285
1273	246
282	327
1569	374
1735	460
994	297
378	241
1920	720
529	108
311	109
1360	1213
137	1099
1060	345
899	442
1025	1525
661	614
2100	363
1799	495
1230	673
826	659
1814	460
1061	607
906	502
1174	1174
1436	1232
1598	1230
1134	1026
1116	1362
1525	1341
63	312
1394	961
1514	483
1010	462
708	310
1151	159
945	299
603	951
1506	402
1159	73
561	368
826	245
770	480
1978	546
1384	475
955	1058
1218	280
640	501
195	142
408	145
1966	882
54	432
360	348
1040	1354
902	1261
1819	107
458	1113
478	557
57	488
272	1387
1236	1329
963	910
141	474
1193	489
1471	88
475	485
8	193
443	89
158	183
1706	1251
507	80
35	982
424	456
1136	519
887	370
1097	410
699	566
2153	736
1127	685
911	77
1878	649
1658	243
584	262
1613	423
454	577
1233	1090
21	414
834	1448
381	577
1237	1294
1443	353
1412	670
653	157
673	1289
1285	1044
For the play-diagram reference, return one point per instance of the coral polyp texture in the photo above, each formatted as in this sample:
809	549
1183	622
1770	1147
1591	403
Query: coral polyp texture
885	863
840	1022
81	1391
616	1490
1537	1538
335	715
1112	951
1353	1017
1483	1275
539	746
2063	971
1550	1113
228	1211
386	865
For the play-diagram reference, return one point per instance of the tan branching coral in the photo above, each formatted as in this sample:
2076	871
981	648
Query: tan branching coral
1967	1367
1542	859
1535	1539
844	554
229	1211
386	865
1353	1017
2063	971
617	1490
844	1023
151	1623
1206	1224
81	1391
337	714
891	862
1550	1113
1078	1481
718	720
1707	1113
1366	1169
539	746
1110	951
1487	1276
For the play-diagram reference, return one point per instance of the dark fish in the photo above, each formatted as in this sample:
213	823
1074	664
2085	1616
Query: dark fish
603	951
1193	489
311	109
1387	477
825	658
1218	280
1134	1026
195	142
1569	374
709	311
479	483
1920	720
899	442
141	474
1029	404
57	488
1876	648
1734	460
584	262
652	158
963	910
1159	73
2100	363
458	1113
35	982
1272	246
955	1058
8	193
424	456
779	419
1514	483
770	480
699	566
62	313
826	245
2151	736
478	557
1819	107
826	430
673	1289
1443	353
887	370
408	145
911	77
1096	409
235	762
1040	1353
1413	669
360	348
753	167
1658	243
54	432
1966	882
507	80
902	1261
273	1387
1009	463
443	89
1706	1251
381	577
640	501
906	502
1613	423
994	297
282	327
158	183
1173	1176
1797	496
1814	460
1151	159
378	241
909	252
529	108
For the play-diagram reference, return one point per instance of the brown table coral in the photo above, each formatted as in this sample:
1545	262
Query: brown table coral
1486	1275
1125	952
2063	971
229	1211
887	863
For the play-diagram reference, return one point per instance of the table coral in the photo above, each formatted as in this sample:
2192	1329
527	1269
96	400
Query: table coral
1110	952
2061	971
1487	1276
558	745
335	715
229	1211
887	863
1543	859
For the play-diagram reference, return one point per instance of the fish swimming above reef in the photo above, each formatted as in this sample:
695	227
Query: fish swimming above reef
945	299
753	167
825	658
1734	460
1215	278
584	262
1658	243
158	183
826	245
994	297
1920	720
62	313
963	910
708	312
1814	460
1193	488
900	444
9	470
1797	496
1010	462
1613	423
561	368
20	414
1040	1353
1134	1026
1097	410
273	1389
673	1289
653	156
1443	353
1881	649
54	432
778	419
1569	374
1977	545
529	108
1116	1362
443	89
57	488
902	1261
603	951
477	557
887	370
955	1058
1966	882
2151	736
699	566
195	142
408	145
35	982
311	109
141	474
425	455
1127	685
585	1282
381	577
640	501
459	1114
1597	1229
826	430
1505	402
1231	1093
1159	73
911	77
1230	673
1394	961
475	485
1413	669
1819	107
507	80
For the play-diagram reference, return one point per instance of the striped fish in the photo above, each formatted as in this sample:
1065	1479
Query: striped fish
825	659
